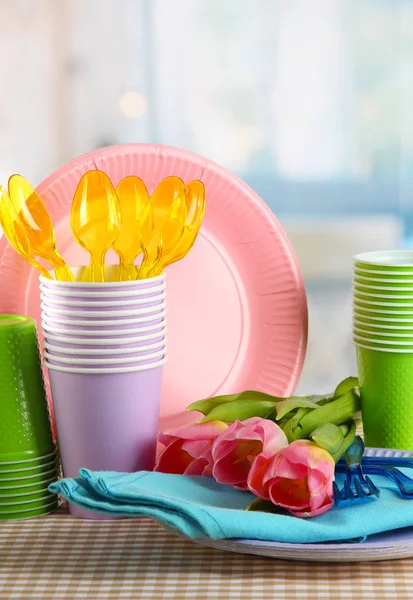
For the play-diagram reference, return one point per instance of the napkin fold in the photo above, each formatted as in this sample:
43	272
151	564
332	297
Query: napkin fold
199	506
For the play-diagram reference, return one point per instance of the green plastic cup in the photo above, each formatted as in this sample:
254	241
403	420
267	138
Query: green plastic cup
384	345
29	513
386	389
383	285
18	479
23	487
25	430
12	465
398	277
383	292
384	317
374	334
384	300
12	504
28	471
399	261
384	309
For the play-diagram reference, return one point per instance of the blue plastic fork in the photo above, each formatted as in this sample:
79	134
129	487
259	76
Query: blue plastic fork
386	466
356	485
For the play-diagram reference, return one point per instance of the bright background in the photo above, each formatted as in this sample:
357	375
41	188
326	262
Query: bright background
309	101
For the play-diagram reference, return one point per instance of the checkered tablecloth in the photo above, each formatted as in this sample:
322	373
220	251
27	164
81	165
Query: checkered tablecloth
62	557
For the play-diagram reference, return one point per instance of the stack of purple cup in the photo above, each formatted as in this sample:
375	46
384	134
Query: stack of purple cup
104	347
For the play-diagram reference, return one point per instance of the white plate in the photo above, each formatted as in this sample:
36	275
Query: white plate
383	546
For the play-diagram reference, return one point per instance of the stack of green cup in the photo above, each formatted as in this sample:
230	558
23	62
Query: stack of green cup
28	456
383	336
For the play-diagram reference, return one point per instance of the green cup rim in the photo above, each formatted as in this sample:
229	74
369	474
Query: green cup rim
28	485
25	502
30	454
394	275
386	258
378	349
356	303
370	315
373	288
385	343
408	336
28	460
55	470
55	502
379	326
28	470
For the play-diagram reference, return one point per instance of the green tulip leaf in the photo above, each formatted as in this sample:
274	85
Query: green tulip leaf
290	404
206	405
348	440
346	386
239	410
328	436
295	420
267	506
336	412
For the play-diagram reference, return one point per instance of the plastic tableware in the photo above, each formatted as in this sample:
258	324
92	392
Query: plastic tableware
124	436
67	322
386	388
388	328
382	300
195	195
29	513
95	218
385	315
383	291
382	308
25	469
385	260
103	332
170	236
108	343
37	224
396	276
358	337
18	480
24	487
133	200
383	285
57	350
406	338
396	324
38	460
144	358
17	493
15	233
91	296
169	191
240	284
111	283
19	503
131	304
25	425
371	293
96	314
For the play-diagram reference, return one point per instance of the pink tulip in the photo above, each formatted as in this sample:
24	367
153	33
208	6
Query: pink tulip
299	478
235	449
188	449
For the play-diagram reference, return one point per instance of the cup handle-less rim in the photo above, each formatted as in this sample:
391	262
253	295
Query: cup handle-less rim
103	351
52	283
103	361
145	292
98	371
104	341
117	303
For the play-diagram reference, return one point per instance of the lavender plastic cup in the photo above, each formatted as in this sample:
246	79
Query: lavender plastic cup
95	325
105	304
106	294
99	332
108	343
106	422
112	282
57	350
106	362
129	308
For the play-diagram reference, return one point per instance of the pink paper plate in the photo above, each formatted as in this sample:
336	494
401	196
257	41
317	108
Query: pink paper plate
237	310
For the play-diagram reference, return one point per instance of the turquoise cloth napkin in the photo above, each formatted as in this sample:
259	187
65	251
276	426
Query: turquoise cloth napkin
199	506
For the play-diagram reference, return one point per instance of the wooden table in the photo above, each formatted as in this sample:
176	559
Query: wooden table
58	556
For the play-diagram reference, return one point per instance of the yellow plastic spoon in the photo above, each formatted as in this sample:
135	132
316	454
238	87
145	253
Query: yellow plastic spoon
195	197
133	199
162	199
95	219
15	232
172	230
37	224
